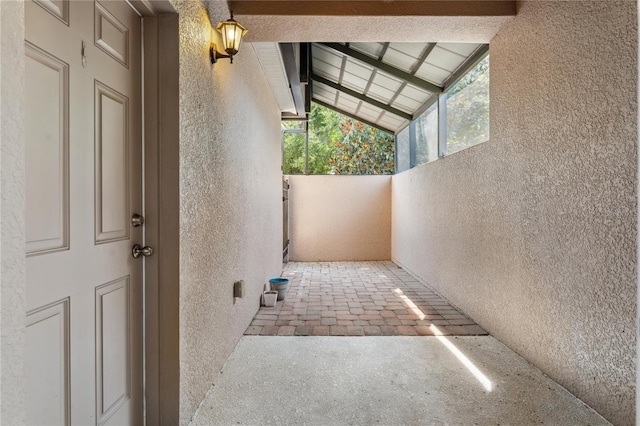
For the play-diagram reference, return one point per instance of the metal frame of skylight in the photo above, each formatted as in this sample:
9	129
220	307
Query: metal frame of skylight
406	78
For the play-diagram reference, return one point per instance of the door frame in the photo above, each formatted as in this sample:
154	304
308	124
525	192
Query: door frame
161	197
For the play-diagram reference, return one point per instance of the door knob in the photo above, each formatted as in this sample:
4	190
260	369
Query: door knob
137	250
137	220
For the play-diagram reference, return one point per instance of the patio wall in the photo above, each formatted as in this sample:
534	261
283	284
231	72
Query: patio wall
336	218
12	205
533	234
230	208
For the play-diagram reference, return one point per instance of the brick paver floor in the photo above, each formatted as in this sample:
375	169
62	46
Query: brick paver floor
359	299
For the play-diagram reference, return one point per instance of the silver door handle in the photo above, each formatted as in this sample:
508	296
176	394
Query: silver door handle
137	220
137	250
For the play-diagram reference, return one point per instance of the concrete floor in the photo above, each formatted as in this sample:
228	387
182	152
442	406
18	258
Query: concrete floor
396	380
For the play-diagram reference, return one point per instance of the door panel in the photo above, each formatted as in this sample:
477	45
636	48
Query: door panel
111	171
48	385
58	8
47	201
111	35
112	350
83	185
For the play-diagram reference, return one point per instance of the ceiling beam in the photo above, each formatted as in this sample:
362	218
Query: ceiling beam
374	8
462	70
305	54
423	57
385	47
348	114
308	92
469	63
425	106
383	66
360	96
287	116
291	68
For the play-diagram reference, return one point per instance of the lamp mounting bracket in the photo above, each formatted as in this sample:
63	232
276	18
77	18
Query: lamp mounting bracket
214	55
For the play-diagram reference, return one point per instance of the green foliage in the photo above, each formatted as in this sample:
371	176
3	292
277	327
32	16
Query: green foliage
294	152
338	145
364	150
324	128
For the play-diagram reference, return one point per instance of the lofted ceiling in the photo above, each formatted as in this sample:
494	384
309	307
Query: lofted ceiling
382	84
385	84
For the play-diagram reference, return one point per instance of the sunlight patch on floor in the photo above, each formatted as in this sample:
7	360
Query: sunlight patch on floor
486	383
409	304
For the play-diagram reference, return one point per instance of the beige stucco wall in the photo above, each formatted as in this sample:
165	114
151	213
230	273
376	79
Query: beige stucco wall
12	234
339	218
230	199
533	234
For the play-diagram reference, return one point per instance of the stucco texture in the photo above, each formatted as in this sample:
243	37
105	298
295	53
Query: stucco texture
12	228
471	29
336	218
533	234
230	199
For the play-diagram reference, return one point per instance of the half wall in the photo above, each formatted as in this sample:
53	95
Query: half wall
336	218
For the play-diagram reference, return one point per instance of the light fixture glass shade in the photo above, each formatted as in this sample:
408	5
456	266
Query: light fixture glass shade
232	33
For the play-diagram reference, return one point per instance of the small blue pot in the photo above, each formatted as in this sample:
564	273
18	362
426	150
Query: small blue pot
280	285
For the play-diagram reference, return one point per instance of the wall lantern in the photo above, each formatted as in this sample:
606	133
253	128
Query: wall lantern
232	33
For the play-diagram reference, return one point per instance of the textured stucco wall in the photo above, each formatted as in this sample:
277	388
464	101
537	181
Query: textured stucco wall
533	234
372	28
339	218
230	199
12	234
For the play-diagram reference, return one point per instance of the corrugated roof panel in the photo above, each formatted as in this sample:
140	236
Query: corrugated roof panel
396	121
319	66
358	68
324	99
370	110
372	49
411	49
445	59
390	127
386	81
391	121
354	82
411	99
414	94
406	104
463	49
328	56
328	96
432	73
322	90
347	103
330	73
379	98
380	93
369	117
399	60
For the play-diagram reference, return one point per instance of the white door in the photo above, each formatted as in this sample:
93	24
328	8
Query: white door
83	162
